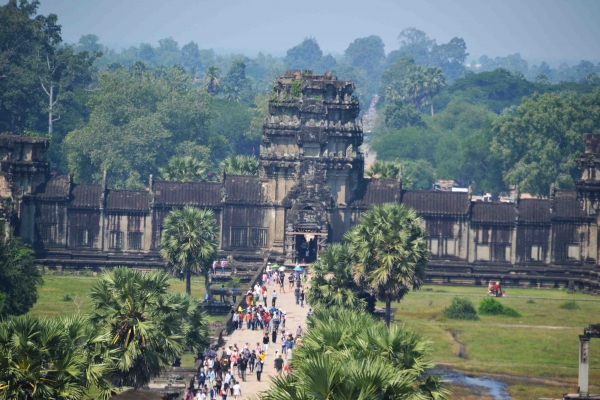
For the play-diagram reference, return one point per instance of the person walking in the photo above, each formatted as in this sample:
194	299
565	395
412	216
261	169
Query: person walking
237	391
243	367
274	298
234	292
223	267
252	361
214	267
281	282
236	320
278	364
259	369
297	295
266	343
302	298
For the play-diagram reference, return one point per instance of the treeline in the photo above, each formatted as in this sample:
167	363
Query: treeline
136	111
489	130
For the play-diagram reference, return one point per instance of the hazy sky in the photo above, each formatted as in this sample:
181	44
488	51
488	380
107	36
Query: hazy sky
538	29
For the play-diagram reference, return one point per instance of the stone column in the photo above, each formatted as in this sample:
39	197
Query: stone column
584	365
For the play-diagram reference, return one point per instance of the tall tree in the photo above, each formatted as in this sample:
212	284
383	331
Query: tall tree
184	169
19	276
540	141
240	165
44	358
138	120
212	80
349	355
23	36
434	83
60	71
303	56
236	85
390	252
148	327
333	283
367	53
189	242
414	87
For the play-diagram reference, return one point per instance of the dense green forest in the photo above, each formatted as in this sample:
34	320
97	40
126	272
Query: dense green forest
489	122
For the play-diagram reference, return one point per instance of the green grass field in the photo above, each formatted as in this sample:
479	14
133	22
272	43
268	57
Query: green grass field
543	343
56	287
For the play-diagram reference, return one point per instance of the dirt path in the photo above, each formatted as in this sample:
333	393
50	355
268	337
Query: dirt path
296	315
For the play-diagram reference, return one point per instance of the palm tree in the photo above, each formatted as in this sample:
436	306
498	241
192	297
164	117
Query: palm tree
349	355
184	169
333	283
390	252
384	170
240	165
42	358
189	242
434	83
147	326
212	80
414	87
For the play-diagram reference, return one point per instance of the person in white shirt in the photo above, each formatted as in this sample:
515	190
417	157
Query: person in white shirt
200	395
237	391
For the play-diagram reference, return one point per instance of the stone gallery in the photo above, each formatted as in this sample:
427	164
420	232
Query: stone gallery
310	189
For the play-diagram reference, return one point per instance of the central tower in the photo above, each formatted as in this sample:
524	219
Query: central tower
310	157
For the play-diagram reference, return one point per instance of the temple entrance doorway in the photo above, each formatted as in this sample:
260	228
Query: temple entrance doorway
306	248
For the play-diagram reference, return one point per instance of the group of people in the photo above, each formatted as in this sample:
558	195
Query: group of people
495	290
215	380
217	263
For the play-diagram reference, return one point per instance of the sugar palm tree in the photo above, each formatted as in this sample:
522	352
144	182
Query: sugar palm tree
147	326
390	252
333	282
189	242
414	87
240	165
184	169
434	83
42	358
384	170
349	355
212	80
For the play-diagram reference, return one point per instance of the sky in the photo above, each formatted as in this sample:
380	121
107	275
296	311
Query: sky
537	29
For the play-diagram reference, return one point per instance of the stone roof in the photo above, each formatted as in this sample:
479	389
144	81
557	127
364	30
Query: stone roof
127	200
431	202
86	196
56	188
192	193
567	206
243	189
493	213
376	191
534	211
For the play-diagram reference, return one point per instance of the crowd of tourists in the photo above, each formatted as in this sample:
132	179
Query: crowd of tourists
221	371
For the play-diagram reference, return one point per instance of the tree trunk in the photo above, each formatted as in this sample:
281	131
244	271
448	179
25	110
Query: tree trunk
388	312
188	282
431	102
50	106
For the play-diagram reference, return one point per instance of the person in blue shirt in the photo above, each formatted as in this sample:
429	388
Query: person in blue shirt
234	293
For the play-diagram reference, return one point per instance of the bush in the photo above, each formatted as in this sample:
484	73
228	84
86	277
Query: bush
67	298
570	305
491	306
461	308
530	301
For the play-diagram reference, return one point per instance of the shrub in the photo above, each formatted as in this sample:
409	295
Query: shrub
461	308
570	305
530	301
490	306
67	298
